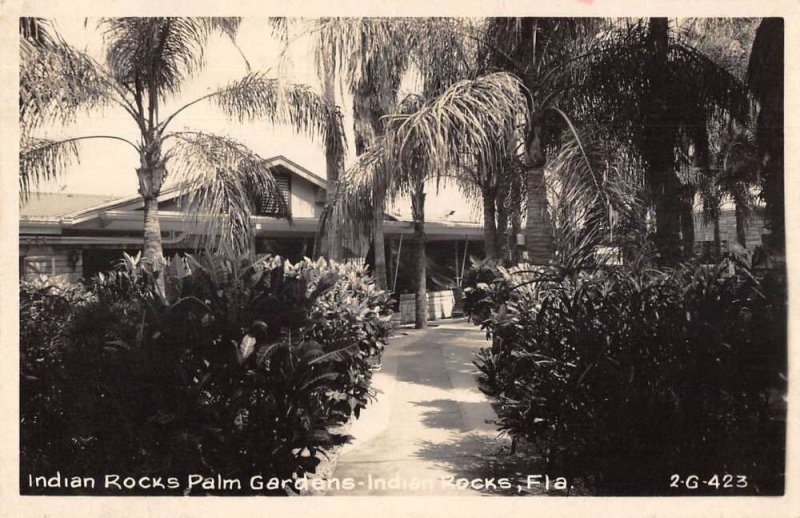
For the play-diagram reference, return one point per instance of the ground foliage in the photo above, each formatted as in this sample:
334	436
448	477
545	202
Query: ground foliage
236	368
622	378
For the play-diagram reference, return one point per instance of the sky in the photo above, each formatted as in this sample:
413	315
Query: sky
108	167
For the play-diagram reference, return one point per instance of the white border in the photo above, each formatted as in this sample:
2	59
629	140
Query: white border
13	505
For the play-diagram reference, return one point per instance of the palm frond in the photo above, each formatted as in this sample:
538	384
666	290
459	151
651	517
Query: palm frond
279	29
443	51
352	203
223	181
260	97
432	138
161	52
57	82
725	40
618	83
532	48
596	192
367	52
471	115
37	31
42	160
230	28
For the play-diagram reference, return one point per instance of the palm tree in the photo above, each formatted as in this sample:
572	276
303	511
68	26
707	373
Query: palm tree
765	80
427	139
369	54
373	56
148	60
728	169
595	192
328	240
653	86
731	161
541	52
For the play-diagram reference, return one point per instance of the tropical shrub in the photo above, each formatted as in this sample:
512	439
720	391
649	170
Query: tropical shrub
488	285
621	379
47	313
231	368
483	285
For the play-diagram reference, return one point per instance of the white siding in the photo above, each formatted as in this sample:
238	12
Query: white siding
304	203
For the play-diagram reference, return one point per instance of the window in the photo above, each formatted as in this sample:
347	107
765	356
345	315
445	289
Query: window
38	265
268	206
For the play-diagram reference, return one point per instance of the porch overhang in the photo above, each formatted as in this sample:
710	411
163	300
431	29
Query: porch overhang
101	227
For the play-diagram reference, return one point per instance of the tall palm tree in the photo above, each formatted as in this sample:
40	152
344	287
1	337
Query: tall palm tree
329	240
148	60
652	86
426	139
766	82
369	54
385	51
732	161
542	53
725	169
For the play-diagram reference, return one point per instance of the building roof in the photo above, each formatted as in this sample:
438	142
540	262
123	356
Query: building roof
59	204
298	170
50	213
42	206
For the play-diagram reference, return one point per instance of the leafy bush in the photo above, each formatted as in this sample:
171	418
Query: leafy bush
226	368
621	379
47	314
483	285
489	285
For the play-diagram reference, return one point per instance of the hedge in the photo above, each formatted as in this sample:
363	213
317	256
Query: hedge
621	379
230	368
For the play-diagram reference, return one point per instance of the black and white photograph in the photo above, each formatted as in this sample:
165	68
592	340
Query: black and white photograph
400	255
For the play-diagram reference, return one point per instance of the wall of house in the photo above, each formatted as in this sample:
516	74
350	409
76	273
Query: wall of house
727	228
63	263
304	203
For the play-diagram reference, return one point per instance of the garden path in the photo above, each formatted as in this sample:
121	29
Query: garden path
429	423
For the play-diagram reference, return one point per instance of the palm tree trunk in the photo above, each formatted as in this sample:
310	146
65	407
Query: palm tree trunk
367	126
539	234
150	179
766	80
668	207
516	225
152	250
489	225
741	228
331	243
717	239
657	149
502	223
378	245
420	259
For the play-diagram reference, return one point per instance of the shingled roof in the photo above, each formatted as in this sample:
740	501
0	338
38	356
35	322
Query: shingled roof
58	204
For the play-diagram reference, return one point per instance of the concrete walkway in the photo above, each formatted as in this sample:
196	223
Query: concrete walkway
428	426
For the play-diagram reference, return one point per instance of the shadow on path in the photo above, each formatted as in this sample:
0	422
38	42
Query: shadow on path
431	424
447	414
